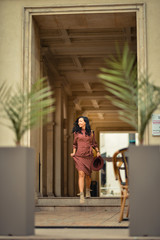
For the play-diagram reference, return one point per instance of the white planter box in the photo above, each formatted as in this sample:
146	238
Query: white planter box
17	191
144	187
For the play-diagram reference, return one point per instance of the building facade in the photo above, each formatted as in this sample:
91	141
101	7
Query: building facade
67	41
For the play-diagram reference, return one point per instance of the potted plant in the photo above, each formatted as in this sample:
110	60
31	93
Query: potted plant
21	109
137	99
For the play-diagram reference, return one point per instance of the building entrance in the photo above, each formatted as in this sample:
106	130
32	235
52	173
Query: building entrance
70	49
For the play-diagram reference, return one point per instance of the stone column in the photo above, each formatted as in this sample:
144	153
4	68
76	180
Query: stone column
44	161
65	164
71	168
50	159
96	174
58	133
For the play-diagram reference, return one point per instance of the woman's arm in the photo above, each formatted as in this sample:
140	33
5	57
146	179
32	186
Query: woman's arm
98	152
95	145
74	152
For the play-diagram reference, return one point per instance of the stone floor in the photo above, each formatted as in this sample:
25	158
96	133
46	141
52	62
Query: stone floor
81	224
81	217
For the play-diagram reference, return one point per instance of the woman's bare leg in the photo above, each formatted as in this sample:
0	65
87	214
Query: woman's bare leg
81	181
81	185
88	182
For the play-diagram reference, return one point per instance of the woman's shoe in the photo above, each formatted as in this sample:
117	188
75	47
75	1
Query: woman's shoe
88	193
82	197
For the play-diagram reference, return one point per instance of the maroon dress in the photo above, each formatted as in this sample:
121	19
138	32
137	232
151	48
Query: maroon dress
83	156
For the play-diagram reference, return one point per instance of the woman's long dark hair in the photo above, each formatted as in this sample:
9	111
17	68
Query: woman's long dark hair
78	129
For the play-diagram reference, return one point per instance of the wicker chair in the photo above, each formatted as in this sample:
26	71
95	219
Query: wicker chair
120	167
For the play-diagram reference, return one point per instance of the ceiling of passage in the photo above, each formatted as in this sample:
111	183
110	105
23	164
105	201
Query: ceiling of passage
74	48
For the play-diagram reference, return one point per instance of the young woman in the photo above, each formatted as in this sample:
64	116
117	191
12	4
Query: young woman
84	140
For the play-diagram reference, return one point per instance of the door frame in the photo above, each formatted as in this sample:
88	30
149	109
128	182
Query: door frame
29	12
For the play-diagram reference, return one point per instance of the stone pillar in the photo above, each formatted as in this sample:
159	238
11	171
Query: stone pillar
96	174
65	164
50	159
42	164
47	157
71	167
44	161
59	149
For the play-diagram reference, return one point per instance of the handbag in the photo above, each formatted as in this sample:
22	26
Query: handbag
94	152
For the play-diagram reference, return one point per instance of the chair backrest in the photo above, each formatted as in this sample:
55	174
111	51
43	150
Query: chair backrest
120	166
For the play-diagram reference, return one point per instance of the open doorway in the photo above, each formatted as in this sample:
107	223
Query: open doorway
71	50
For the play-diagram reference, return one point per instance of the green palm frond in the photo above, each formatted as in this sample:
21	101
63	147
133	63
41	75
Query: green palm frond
134	97
120	82
24	109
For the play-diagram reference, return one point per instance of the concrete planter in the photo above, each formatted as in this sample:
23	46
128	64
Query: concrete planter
144	187
17	191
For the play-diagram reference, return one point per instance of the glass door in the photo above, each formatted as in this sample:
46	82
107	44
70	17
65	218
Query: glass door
109	144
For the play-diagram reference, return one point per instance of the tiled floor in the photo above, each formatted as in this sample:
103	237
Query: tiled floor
105	217
81	224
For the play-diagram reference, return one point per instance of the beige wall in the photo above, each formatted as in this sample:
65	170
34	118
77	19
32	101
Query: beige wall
11	43
153	51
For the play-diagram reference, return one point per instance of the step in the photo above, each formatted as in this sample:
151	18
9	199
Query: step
52	203
74	201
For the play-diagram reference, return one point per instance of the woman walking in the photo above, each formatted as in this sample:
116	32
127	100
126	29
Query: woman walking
84	140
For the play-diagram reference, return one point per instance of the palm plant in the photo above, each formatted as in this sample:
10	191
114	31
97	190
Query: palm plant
135	96
23	109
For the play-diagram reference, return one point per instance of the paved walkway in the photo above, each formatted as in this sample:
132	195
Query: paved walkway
84	217
84	224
